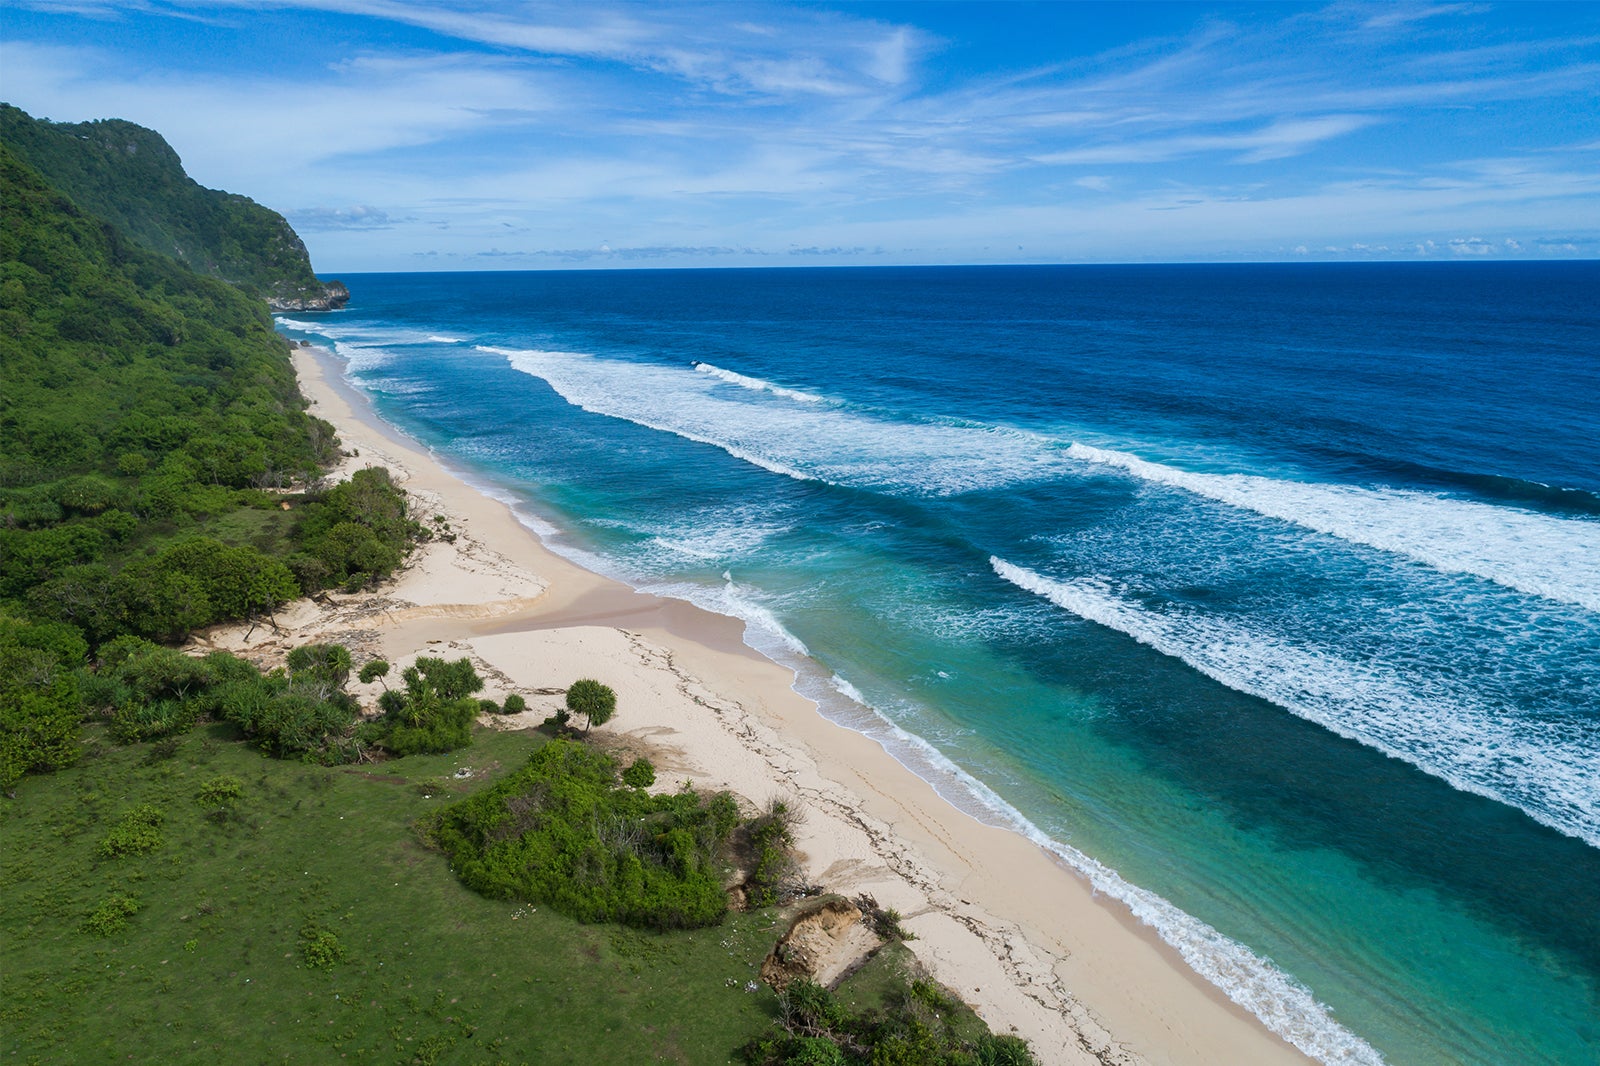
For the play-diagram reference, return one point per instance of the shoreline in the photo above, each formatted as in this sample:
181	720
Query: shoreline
1014	931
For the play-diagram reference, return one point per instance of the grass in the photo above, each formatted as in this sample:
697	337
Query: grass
303	921
264	528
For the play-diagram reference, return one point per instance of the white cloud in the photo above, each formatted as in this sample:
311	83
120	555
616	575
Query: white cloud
1279	140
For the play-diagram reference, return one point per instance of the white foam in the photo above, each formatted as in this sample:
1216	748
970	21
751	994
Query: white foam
805	441
1548	769
1543	555
362	358
742	604
758	385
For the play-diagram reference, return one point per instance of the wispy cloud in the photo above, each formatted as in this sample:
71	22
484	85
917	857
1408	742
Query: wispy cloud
1276	141
709	132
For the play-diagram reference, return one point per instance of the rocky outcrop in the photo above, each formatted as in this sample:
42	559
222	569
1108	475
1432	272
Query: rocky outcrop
826	941
331	296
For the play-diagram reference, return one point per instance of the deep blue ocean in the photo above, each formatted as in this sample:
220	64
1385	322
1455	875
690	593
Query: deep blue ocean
1267	595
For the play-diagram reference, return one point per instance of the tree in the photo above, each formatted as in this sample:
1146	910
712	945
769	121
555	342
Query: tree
596	702
435	711
376	670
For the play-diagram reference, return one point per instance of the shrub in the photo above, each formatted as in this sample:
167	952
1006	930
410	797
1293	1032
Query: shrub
770	840
319	947
639	775
561	832
111	916
515	704
138	832
435	711
221	791
916	1024
303	713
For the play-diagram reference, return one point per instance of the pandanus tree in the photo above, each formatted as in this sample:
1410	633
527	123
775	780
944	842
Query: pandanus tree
596	702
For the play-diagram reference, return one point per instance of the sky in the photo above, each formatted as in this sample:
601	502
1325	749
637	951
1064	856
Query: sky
436	135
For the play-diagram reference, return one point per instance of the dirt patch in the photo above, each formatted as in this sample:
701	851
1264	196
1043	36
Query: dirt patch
826	941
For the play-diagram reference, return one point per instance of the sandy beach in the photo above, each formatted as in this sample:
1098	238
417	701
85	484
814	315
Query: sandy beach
1022	938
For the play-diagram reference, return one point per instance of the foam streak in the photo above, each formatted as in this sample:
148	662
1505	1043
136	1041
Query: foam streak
1550	771
1541	555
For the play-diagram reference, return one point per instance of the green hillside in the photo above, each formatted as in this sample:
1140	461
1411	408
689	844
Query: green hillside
131	177
151	436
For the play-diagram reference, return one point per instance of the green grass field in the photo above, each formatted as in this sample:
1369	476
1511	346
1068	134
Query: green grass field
238	905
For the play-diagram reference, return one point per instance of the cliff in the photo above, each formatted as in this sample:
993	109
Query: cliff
131	177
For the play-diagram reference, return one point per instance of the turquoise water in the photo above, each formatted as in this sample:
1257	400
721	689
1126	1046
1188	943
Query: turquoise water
1268	596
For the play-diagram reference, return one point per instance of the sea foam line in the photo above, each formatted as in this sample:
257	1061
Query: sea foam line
757	384
1542	555
1550	557
1549	773
806	441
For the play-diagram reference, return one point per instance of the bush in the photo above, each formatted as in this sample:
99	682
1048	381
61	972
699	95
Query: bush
515	704
138	832
111	916
435	711
916	1024
319	947
769	842
640	775
561	832
303	713
221	791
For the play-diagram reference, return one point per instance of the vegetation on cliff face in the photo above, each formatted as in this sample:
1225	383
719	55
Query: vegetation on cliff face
130	176
158	470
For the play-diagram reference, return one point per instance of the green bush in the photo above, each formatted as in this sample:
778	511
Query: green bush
435	711
40	697
561	832
641	774
111	915
223	791
769	843
514	704
320	947
916	1024
138	832
302	713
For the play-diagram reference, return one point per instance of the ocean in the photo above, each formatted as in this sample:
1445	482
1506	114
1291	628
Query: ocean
1268	596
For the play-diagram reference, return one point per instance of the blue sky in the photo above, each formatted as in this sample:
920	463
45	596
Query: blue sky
459	135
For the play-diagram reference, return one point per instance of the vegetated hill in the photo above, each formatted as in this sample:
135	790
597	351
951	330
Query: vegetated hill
145	411
151	439
131	177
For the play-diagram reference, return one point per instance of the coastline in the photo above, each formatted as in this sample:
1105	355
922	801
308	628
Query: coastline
1017	934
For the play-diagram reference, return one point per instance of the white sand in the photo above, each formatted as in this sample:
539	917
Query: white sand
1022	938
